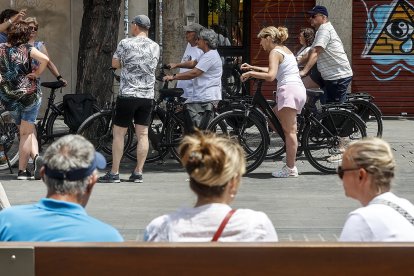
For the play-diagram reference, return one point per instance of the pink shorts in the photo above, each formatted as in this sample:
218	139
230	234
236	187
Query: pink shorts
292	96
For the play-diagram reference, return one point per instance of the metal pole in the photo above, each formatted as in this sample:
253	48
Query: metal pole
126	25
160	30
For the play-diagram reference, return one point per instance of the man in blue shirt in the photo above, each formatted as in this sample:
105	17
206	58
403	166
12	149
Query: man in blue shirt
69	172
7	18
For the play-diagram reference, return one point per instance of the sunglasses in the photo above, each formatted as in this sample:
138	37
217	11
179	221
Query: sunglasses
33	29
314	15
340	171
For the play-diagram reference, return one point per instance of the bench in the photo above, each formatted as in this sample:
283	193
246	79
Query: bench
134	258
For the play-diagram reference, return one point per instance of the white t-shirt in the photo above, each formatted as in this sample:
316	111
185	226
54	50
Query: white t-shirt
288	71
190	53
199	224
333	63
207	86
379	222
139	58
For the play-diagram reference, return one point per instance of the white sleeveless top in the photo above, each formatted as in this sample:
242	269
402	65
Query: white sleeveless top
288	71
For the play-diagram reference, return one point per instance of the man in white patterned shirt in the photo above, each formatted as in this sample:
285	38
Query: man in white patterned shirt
137	57
329	54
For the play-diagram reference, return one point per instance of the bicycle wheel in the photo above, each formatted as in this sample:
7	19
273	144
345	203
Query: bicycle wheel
156	150
9	138
326	137
254	138
55	125
173	135
98	130
371	115
230	82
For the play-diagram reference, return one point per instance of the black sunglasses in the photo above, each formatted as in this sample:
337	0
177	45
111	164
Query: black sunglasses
33	29
341	171
314	15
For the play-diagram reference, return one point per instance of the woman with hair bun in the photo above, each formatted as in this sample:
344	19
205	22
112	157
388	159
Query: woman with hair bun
366	171
290	94
215	166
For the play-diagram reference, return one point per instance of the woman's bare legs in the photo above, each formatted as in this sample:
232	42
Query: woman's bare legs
287	117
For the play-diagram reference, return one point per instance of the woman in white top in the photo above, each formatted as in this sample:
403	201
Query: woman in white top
215	166
290	95
306	37
367	171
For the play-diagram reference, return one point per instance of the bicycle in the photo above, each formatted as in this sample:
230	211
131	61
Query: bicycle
97	128
52	124
231	84
9	140
322	135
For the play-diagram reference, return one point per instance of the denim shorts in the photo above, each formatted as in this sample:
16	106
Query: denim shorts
28	113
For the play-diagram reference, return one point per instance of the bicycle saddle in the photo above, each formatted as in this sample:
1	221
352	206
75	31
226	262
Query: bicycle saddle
171	92
314	92
53	84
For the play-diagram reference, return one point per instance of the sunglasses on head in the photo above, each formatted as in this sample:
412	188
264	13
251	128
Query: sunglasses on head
33	29
340	171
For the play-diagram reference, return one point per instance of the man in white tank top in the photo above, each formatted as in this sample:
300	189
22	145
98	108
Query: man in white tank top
329	54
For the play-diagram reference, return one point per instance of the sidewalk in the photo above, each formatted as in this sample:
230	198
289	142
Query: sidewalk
312	207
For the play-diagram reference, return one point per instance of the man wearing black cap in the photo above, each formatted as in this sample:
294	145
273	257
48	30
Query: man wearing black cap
137	57
329	54
69	172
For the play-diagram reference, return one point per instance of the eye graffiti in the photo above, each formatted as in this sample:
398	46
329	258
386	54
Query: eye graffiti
389	39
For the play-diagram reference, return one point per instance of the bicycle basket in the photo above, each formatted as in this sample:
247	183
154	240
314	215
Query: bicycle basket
76	108
339	125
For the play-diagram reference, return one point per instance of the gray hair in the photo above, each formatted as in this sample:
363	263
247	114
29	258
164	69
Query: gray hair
210	37
68	153
376	157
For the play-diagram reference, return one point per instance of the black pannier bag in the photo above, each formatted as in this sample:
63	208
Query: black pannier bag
76	108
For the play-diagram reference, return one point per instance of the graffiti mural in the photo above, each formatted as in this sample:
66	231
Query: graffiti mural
389	39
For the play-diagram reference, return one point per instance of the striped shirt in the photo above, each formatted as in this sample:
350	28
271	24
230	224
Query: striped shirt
333	63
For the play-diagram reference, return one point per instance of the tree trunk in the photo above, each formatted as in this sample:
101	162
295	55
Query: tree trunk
97	42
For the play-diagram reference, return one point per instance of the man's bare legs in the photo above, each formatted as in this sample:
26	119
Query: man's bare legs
28	143
142	147
118	134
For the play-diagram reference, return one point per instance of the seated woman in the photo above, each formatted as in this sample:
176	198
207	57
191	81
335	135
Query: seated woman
367	170
215	166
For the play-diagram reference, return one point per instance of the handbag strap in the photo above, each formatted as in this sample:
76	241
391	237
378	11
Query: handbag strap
397	208
222	225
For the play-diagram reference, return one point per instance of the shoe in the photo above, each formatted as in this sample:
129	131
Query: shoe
335	158
38	163
286	172
110	178
24	175
136	177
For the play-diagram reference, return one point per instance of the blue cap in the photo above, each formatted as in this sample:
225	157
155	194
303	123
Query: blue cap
98	162
319	9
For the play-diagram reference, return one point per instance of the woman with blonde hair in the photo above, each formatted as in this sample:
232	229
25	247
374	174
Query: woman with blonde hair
367	171
290	94
215	166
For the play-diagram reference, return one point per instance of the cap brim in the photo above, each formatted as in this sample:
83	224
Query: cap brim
311	12
100	161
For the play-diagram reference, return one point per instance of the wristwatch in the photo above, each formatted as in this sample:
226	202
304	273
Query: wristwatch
10	21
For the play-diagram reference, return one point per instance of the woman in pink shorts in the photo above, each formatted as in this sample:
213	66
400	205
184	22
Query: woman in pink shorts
290	95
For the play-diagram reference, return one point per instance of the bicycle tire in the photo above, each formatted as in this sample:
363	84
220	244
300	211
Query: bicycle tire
98	130
173	135
371	114
55	125
254	139
324	142
156	150
9	135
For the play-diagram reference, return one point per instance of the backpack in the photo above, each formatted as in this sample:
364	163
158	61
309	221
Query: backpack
76	108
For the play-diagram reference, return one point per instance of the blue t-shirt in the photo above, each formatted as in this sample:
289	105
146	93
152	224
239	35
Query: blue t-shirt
3	37
54	220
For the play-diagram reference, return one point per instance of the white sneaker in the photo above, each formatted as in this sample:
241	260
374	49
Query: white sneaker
335	158
286	172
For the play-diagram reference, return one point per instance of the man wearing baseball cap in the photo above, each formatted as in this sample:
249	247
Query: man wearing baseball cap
70	172
137	57
329	55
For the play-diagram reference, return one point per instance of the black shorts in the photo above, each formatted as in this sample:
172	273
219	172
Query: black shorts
315	75
128	108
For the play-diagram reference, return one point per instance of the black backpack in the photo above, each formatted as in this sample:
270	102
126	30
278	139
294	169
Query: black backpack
76	108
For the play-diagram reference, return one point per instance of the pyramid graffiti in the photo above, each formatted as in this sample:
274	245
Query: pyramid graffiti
396	36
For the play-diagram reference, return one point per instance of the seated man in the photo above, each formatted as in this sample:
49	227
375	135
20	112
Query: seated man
69	172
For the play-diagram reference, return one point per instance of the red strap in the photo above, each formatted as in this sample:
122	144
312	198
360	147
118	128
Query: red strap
222	225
